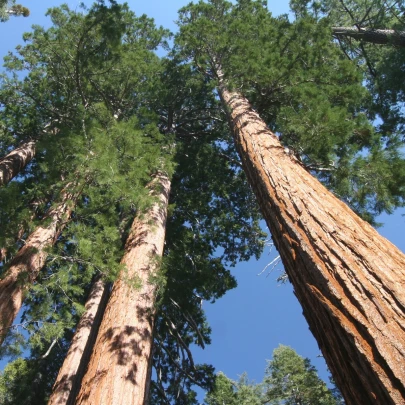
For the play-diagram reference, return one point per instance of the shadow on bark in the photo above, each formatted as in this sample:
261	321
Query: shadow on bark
71	383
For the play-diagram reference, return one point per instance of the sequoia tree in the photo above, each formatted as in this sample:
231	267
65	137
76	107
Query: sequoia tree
107	149
71	373
25	266
197	226
346	276
119	370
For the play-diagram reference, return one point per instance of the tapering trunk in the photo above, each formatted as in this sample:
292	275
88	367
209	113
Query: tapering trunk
26	264
375	36
349	280
119	369
70	375
15	161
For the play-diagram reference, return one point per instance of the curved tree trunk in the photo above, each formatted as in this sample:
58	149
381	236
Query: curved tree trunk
349	280
15	161
70	375
382	37
26	264
119	369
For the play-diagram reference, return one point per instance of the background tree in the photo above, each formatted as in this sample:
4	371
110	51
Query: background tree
229	392
289	379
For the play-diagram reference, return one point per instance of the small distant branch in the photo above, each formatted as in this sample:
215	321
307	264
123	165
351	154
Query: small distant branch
49	350
273	263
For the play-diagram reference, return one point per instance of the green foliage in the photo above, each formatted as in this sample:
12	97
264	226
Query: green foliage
102	144
213	222
290	379
107	113
9	7
230	392
304	88
29	381
380	66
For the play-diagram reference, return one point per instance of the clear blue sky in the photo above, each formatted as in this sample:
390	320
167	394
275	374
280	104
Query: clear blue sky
252	320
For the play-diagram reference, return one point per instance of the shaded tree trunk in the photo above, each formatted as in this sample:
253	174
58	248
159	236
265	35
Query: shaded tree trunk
70	375
349	280
119	369
375	36
26	264
15	161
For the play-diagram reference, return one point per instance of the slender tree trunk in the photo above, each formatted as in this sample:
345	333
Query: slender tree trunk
120	364
70	375
3	254
26	264
382	37
15	161
349	280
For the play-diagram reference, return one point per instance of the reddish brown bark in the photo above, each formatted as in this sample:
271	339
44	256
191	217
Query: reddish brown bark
349	280
119	367
25	266
70	375
15	161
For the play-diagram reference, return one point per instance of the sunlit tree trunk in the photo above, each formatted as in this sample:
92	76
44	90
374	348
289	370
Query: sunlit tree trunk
27	263
3	254
15	161
70	375
374	36
119	368
349	280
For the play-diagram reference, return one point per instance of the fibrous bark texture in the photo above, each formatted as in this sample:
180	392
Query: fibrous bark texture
70	375
119	368
15	161
374	36
25	266
349	280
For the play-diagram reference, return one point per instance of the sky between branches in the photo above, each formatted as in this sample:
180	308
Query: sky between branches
252	320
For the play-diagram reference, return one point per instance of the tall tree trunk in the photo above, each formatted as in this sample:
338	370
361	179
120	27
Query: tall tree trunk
349	280
26	264
119	369
70	375
15	161
374	36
